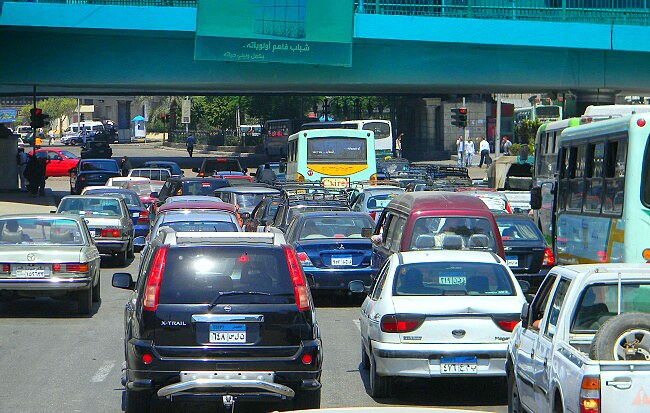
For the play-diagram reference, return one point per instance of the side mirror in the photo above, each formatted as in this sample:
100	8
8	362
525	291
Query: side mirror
525	310
367	232
123	280
357	286
197	170
525	286
139	242
536	198
154	195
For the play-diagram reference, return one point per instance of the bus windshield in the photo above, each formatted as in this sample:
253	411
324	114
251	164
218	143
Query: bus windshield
547	112
381	129
336	149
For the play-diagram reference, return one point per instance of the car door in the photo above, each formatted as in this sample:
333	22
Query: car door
368	323
544	346
55	165
526	344
380	251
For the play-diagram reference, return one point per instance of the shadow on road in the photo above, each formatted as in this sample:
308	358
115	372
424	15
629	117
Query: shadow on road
44	308
342	300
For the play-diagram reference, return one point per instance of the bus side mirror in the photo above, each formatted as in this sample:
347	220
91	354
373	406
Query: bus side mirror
536	198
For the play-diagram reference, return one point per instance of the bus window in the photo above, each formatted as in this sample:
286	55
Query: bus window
382	130
576	175
615	177
336	149
594	185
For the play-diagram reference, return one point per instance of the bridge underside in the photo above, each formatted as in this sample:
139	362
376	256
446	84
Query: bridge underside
426	57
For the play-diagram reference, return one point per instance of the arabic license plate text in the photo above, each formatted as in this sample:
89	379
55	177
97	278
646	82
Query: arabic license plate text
335	182
512	261
458	365
30	271
342	260
227	333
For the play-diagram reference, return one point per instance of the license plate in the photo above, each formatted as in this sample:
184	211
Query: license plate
512	261
30	271
343	260
335	182
458	365
227	333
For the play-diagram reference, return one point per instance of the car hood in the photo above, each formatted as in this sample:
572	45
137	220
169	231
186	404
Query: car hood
27	253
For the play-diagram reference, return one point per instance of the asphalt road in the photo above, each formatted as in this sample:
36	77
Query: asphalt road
56	361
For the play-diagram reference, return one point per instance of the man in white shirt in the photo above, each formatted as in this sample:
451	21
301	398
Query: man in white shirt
484	147
459	150
469	152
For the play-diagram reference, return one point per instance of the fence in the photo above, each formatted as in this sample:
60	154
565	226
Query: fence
216	138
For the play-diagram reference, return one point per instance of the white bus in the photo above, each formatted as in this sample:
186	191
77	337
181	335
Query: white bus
542	113
382	129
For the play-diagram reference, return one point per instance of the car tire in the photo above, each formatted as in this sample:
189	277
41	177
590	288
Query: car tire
137	401
85	301
97	290
122	257
514	402
131	251
73	142
307	399
365	360
380	386
611	336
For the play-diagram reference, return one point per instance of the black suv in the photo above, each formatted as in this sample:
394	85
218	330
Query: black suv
189	186
221	164
308	198
225	316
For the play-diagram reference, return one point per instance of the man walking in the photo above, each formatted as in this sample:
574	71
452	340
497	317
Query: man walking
484	147
469	152
50	135
125	166
506	146
398	146
189	144
459	150
22	159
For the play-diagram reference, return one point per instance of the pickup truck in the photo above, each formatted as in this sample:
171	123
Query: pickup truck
583	344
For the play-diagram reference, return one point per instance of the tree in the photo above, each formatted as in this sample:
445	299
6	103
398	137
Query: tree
526	130
56	108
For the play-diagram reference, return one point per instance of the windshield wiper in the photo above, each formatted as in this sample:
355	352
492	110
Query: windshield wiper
225	293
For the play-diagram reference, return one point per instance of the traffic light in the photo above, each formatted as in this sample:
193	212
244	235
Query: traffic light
164	117
459	117
37	118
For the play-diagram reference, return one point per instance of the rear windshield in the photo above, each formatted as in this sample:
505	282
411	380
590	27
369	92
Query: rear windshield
599	302
336	149
334	227
154	175
452	278
210	167
453	233
202	226
99	165
203	187
40	231
381	201
196	275
106	207
518	230
130	198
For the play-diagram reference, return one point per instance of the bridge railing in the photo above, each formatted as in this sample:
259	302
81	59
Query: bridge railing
155	3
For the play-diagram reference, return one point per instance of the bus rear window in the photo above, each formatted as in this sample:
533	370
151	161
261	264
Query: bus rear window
381	130
336	149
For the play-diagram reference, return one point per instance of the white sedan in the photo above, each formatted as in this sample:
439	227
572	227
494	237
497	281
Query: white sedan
438	313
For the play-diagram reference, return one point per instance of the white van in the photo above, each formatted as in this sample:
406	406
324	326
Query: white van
71	133
23	131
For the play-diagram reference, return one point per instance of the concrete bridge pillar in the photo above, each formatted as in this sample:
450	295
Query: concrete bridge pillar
418	119
585	98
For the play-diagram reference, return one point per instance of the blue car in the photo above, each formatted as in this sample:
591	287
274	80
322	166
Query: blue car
138	211
92	172
331	248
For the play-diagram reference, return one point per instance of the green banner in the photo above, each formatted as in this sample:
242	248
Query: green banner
281	31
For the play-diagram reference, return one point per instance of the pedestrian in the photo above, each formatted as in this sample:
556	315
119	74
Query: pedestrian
469	152
484	147
459	150
267	176
37	142
125	166
189	143
398	146
35	174
50	134
22	158
506	146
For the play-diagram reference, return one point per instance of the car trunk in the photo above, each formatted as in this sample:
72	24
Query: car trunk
36	262
524	258
95	226
343	253
450	320
101	177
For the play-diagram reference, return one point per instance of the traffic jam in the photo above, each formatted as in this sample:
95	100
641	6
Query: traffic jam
454	279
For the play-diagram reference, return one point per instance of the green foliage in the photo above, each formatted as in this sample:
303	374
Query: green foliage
56	108
526	130
514	149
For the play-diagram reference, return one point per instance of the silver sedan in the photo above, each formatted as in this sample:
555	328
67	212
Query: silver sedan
48	255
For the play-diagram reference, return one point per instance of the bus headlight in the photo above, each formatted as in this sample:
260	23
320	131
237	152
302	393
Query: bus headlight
373	177
300	177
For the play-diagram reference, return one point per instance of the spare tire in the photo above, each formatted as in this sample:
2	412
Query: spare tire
623	337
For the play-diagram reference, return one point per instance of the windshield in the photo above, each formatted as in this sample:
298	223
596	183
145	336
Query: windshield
336	149
381	129
203	187
59	231
453	233
99	165
130	198
518	230
453	278
101	207
379	202
249	200
334	227
599	302
198	274
145	189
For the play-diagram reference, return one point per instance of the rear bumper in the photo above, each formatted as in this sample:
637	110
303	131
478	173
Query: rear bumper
423	360
337	278
45	284
108	247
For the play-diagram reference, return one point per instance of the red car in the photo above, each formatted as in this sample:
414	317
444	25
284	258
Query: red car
59	161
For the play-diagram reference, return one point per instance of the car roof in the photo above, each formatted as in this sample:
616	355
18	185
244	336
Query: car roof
412	257
204	215
326	214
438	200
169	236
198	205
90	197
159	163
199	179
250	189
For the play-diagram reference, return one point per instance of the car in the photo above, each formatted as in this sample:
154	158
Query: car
331	249
23	131
92	172
211	165
433	220
202	220
245	197
496	201
300	199
192	198
138	210
446	314
49	256
239	322
373	199
189	186
109	222
154	174
263	214
235	178
146	190
123	181
173	167
96	149
59	161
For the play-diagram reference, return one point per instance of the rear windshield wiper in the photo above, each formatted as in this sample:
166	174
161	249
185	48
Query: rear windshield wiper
225	293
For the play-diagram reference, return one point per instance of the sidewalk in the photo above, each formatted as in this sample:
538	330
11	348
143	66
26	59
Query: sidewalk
23	203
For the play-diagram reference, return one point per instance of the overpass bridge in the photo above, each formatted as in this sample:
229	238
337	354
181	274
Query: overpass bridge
397	46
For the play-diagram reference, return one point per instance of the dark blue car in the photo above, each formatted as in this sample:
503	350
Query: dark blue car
138	211
92	172
331	248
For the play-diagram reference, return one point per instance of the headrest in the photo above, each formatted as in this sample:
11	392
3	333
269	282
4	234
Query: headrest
61	237
479	241
425	242
452	242
12	237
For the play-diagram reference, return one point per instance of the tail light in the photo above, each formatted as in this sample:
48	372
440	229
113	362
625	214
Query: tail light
304	259
4	269
152	289
590	395
144	217
602	256
201	174
373	215
63	268
506	322
549	258
401	323
508	209
298	277
111	233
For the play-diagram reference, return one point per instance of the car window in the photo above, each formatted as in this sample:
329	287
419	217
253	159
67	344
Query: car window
249	200
202	226
53	156
212	166
201	187
599	302
379	202
106	207
68	155
461	232
198	275
271	209
556	307
334	227
538	305
396	232
518	230
381	280
453	278
99	165
58	231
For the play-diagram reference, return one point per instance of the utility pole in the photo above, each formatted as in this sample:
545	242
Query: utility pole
497	129
465	133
